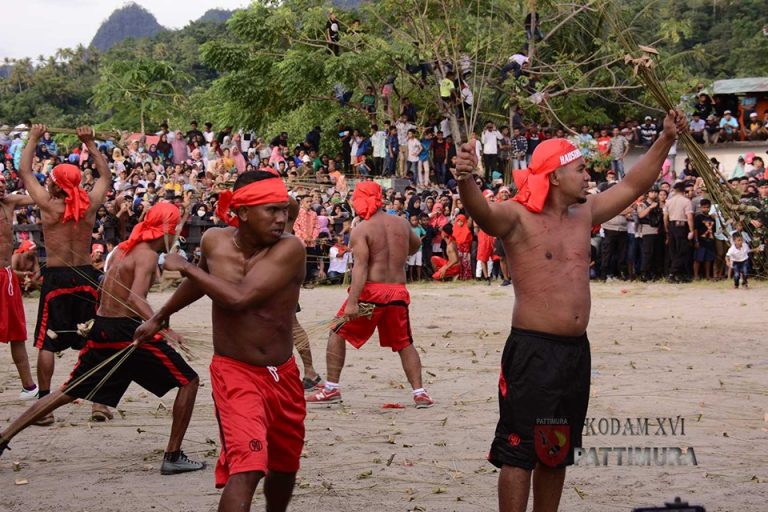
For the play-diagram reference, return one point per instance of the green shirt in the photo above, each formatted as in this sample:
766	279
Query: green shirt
446	87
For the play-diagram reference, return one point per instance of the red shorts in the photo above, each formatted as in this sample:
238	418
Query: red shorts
261	413
390	316
13	324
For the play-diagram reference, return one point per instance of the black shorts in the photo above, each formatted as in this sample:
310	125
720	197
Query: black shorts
155	366
69	297
543	398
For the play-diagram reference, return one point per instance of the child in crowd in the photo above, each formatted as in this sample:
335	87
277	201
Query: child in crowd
737	258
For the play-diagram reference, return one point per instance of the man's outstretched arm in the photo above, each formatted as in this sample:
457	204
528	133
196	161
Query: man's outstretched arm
35	189
643	174
495	219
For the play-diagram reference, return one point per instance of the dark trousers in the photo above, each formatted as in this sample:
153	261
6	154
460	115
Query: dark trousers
491	163
679	250
651	257
614	253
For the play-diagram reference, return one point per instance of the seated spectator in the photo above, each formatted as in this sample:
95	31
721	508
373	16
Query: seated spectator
755	129
697	127
447	268
729	127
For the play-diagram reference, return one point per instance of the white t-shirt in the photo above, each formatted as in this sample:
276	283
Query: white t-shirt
738	255
378	140
338	264
490	142
414	148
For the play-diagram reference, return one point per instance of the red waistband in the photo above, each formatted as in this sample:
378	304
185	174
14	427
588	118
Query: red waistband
218	360
384	286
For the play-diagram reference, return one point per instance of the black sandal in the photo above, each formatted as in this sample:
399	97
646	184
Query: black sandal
310	383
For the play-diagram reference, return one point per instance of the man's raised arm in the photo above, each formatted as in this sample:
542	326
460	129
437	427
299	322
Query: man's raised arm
104	181
35	189
643	174
494	219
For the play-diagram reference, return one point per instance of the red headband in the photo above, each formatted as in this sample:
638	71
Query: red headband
68	177
270	190
367	199
160	220
26	246
533	183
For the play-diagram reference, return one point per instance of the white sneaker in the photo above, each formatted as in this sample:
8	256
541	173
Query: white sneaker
28	394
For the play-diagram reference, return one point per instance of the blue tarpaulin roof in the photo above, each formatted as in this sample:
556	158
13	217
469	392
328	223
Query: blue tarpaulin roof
741	85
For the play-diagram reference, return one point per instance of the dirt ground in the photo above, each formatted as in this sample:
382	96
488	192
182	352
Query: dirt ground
658	351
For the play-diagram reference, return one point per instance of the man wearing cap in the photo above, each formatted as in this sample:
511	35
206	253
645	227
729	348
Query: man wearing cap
755	130
711	130
380	245
252	271
545	375
648	132
69	294
155	366
13	325
729	127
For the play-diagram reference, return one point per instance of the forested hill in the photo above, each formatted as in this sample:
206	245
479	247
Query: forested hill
129	21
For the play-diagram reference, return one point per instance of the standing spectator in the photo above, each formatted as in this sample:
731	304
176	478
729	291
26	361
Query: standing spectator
193	133
386	95
737	258
678	224
704	107
393	150
619	147
439	158
448	88
413	147
648	132
650	219
585	141
614	246
307	229
505	154
379	143
604	143
369	103
403	127
704	239
729	127
490	139
414	261
519	149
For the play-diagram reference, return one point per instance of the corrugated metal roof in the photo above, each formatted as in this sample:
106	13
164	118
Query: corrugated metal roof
741	85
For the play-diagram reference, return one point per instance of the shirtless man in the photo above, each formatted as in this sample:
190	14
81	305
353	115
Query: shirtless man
252	273
26	264
447	267
300	337
13	324
154	366
380	245
69	295
545	367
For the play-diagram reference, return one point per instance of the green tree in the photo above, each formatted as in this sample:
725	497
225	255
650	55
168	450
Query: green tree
139	89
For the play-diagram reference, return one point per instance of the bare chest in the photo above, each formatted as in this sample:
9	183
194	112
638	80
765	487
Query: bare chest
544	242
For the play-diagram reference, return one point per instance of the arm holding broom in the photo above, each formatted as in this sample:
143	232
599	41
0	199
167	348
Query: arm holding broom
643	174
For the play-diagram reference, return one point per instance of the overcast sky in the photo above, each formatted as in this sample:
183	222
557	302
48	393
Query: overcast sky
30	28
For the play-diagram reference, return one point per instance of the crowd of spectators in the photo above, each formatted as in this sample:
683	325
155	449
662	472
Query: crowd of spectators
190	167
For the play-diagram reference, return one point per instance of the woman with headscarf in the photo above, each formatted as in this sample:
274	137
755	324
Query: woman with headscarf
180	150
437	220
239	159
164	148
463	236
414	206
